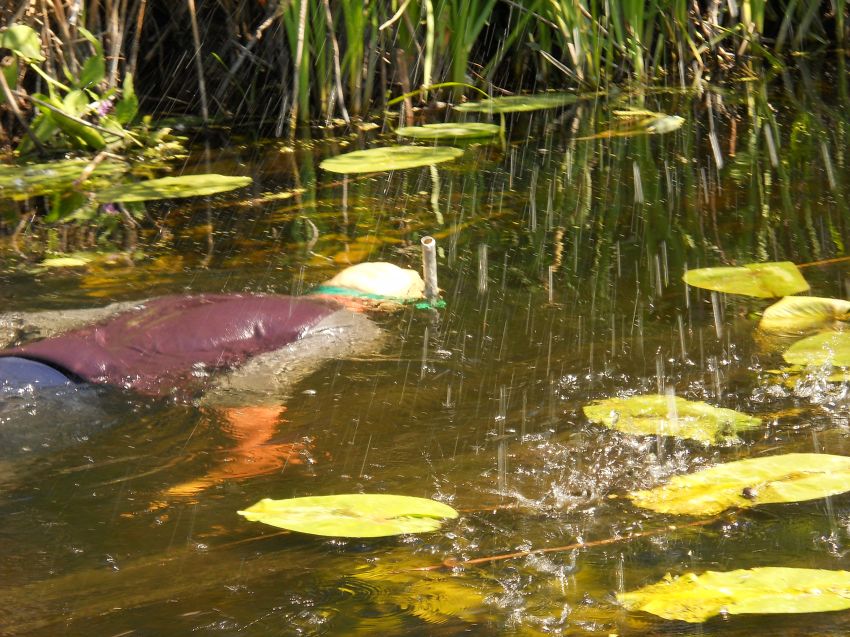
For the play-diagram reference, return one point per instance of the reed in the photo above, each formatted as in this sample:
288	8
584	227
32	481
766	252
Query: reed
284	63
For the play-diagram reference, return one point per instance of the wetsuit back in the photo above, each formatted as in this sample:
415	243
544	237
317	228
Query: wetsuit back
169	344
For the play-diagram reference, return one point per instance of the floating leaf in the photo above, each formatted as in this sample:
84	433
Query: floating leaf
792	477
29	180
352	515
65	262
171	188
829	348
389	158
766	590
649	124
519	103
801	314
763	280
655	414
449	130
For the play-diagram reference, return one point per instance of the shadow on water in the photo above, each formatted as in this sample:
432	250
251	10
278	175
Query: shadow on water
561	264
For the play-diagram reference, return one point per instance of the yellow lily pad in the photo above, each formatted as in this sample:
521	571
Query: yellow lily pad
656	414
829	348
762	280
352	514
801	314
375	160
792	477
766	590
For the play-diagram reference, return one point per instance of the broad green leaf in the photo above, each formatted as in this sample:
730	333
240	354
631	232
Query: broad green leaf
389	158
792	477
801	314
766	590
352	515
23	41
127	107
656	414
449	130
75	104
763	280
43	127
828	348
171	188
29	180
519	103
93	72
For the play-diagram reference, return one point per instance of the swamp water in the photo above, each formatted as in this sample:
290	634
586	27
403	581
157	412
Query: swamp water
561	263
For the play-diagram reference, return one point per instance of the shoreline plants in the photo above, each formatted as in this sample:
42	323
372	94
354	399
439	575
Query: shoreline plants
285	63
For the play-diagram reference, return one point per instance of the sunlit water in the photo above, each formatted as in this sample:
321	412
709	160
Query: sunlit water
561	264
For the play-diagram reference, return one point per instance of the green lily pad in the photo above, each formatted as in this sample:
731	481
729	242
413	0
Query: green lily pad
829	348
519	103
352	515
792	477
766	590
656	414
31	180
801	314
389	158
171	188
449	130
763	280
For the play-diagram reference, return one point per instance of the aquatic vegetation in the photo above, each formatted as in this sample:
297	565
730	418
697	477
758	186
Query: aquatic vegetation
801	314
792	477
448	130
22	181
762	280
651	415
640	122
519	103
828	348
765	590
352	515
170	188
389	158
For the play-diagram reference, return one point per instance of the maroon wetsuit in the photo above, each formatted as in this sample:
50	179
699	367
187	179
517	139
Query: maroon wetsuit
167	346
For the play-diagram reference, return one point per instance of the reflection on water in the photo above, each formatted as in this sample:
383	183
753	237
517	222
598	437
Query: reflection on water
561	264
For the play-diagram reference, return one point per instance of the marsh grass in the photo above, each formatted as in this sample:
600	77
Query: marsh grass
284	63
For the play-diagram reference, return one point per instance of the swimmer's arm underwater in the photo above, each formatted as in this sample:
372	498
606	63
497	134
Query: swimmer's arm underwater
18	327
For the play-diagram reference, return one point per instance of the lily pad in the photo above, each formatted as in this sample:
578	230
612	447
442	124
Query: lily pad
519	103
171	188
763	280
829	348
389	158
801	314
66	262
449	130
656	414
766	590
31	180
792	477
352	515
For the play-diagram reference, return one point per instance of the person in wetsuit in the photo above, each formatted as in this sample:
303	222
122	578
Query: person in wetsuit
240	353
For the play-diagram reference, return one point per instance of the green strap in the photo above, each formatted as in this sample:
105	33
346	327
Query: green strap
333	290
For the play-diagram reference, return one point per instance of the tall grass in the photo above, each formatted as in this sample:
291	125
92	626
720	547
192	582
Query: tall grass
283	63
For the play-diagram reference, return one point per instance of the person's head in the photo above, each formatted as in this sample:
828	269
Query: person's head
376	285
